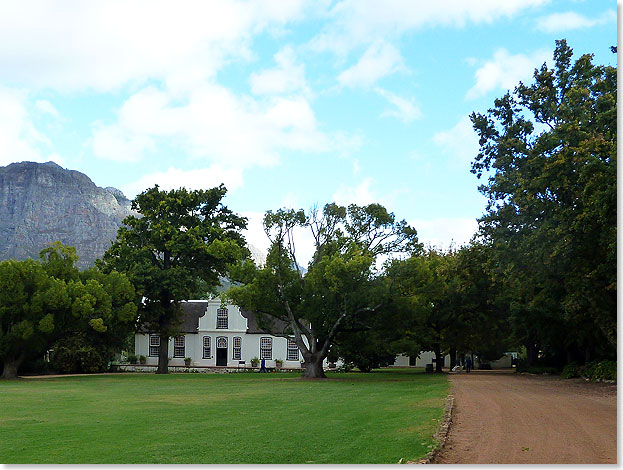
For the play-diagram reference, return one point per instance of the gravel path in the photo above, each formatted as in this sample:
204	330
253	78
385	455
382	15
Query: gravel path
507	418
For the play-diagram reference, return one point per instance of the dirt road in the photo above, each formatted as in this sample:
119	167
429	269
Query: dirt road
520	419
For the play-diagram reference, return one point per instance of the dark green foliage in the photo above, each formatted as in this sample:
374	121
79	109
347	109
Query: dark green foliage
44	301
537	369
132	359
548	151
570	371
341	288
181	245
605	370
599	370
75	354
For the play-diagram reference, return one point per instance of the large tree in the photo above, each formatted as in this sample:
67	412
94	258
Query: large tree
548	151
180	243
32	305
43	302
340	284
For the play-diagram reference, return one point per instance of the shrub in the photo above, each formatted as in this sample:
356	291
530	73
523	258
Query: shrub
142	359
538	369
588	370
605	370
570	371
76	355
132	359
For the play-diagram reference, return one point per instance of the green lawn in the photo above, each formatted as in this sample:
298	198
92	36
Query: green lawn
220	418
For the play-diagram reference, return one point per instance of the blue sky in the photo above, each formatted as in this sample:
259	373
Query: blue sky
289	103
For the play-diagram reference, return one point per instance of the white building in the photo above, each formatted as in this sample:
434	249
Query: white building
220	335
425	357
225	336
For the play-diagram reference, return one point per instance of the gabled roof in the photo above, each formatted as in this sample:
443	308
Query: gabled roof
193	310
269	326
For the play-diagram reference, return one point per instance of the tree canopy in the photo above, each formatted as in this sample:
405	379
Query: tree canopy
341	283
548	152
43	302
179	243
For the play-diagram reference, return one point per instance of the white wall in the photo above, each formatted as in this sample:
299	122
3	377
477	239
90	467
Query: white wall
237	326
425	357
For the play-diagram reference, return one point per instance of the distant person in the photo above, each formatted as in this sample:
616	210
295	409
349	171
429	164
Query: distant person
263	366
468	364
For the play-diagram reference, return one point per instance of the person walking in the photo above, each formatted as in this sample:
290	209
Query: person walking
468	364
263	366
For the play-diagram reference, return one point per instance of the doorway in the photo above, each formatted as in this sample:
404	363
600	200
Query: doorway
221	351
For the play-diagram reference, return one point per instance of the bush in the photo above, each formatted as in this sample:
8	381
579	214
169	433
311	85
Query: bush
605	370
570	371
537	369
76	355
132	359
142	359
588	370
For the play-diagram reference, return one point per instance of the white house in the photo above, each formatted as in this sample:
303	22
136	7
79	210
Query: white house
220	335
425	357
217	335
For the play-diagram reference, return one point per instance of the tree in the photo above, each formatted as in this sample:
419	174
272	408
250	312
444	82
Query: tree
549	153
341	282
49	301
423	301
181	243
32	305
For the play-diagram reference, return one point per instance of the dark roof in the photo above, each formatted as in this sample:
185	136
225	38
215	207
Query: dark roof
269	325
192	312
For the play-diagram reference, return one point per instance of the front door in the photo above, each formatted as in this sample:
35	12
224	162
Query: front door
221	351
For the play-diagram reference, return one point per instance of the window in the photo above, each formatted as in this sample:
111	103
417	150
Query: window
154	345
179	346
221	318
293	351
237	349
221	342
207	350
266	348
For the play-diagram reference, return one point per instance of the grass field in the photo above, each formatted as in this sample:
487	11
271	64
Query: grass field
220	418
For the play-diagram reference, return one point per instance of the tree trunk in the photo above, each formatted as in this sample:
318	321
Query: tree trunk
452	358
439	357
530	354
313	367
163	356
11	367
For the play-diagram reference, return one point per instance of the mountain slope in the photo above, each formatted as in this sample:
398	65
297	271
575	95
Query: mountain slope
42	202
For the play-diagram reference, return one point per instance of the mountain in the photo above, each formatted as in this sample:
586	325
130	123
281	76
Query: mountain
43	202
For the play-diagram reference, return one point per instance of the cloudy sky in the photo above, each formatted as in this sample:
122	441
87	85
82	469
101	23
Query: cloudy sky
289	103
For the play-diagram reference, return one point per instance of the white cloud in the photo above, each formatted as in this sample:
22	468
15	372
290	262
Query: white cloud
460	142
355	22
560	22
213	126
255	235
107	44
404	109
19	138
116	144
287	77
380	60
174	178
47	108
445	232
505	71
360	194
